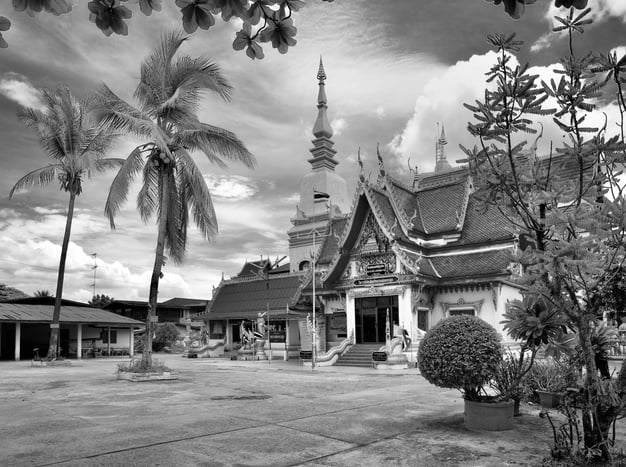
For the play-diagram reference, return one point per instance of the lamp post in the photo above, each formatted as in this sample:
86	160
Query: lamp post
314	320
317	196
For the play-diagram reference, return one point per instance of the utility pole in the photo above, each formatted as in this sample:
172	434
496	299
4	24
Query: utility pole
94	267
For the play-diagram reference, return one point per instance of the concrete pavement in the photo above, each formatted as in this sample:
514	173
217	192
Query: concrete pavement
231	413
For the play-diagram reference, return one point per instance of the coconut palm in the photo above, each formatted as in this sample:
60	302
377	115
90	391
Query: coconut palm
71	136
168	95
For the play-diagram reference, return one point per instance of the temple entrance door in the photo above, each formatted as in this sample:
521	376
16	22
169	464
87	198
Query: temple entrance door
371	318
369	326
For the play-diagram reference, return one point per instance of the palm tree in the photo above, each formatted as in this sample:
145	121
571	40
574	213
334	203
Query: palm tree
71	136
42	293
169	94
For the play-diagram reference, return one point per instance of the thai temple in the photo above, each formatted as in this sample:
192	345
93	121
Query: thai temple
388	260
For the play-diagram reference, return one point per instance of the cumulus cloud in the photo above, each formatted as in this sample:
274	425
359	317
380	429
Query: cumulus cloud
440	100
32	265
231	187
19	89
338	125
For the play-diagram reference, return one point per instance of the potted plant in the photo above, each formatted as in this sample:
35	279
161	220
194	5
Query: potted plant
549	379
464	352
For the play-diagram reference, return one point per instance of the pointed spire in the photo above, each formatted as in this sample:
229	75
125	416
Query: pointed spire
322	127
441	163
442	138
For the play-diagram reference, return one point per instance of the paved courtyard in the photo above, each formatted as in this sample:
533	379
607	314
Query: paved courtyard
232	413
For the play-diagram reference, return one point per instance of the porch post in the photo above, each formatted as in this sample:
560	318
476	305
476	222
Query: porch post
79	340
18	338
350	316
109	340
131	340
287	330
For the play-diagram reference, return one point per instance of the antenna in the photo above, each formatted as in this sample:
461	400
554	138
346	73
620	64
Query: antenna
94	267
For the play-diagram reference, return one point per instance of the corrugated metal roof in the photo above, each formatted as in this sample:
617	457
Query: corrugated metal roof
69	314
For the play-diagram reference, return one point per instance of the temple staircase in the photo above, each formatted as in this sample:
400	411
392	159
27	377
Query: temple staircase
359	355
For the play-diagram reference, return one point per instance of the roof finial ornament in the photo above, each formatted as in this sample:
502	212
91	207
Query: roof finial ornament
381	165
358	158
321	74
322	127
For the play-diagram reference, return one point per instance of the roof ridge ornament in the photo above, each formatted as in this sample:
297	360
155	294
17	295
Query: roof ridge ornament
360	162
381	166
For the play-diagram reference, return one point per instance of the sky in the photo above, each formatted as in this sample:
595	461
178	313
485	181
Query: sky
395	70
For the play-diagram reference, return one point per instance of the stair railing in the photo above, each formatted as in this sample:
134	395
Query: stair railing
331	356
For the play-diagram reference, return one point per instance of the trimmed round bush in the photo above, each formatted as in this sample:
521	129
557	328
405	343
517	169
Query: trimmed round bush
460	352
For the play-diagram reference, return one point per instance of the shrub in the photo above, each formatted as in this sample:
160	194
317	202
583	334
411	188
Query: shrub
165	335
550	375
460	352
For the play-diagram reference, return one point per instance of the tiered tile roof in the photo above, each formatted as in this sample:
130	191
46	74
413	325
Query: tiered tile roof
438	230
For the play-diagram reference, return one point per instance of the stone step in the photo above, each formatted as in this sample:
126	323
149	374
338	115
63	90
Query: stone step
359	355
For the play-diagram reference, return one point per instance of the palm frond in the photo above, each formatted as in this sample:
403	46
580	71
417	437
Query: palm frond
176	228
109	163
152	89
115	113
41	176
197	195
148	197
188	78
215	143
119	188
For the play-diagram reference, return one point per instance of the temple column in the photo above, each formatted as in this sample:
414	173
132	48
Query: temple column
79	341
18	338
131	342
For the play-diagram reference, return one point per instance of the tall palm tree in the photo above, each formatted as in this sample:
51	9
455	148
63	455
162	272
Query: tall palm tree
168	94
71	136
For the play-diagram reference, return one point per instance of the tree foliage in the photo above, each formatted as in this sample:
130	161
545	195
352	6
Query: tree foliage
264	21
76	143
9	293
569	202
173	189
460	352
42	293
101	301
165	335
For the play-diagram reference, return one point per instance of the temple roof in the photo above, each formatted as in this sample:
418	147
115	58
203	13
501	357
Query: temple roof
243	299
438	229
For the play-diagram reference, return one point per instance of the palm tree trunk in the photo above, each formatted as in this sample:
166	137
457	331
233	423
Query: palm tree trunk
146	356
56	314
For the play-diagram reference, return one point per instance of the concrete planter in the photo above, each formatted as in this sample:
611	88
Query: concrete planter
152	376
489	416
51	363
549	399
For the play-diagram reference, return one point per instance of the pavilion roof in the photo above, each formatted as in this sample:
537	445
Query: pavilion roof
14	312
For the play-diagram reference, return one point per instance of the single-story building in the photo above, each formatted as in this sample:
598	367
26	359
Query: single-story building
26	326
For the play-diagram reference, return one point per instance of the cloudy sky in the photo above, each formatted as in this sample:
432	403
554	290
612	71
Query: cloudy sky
395	69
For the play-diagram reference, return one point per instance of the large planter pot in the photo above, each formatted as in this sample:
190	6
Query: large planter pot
490	416
549	399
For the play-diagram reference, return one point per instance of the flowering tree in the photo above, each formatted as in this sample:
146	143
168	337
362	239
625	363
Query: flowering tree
569	205
264	21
